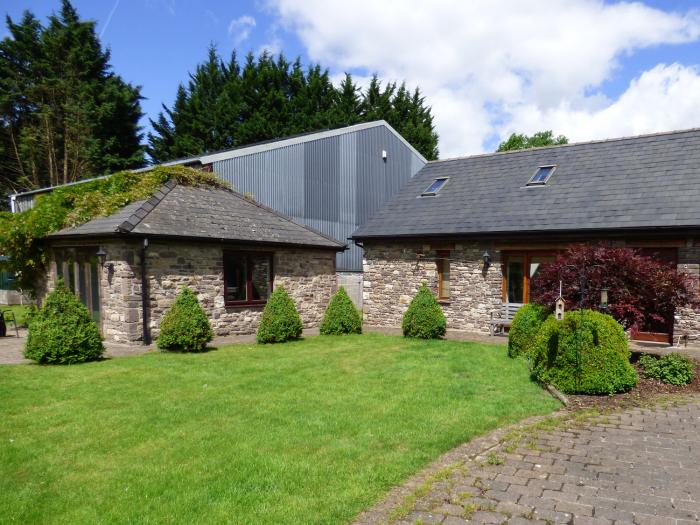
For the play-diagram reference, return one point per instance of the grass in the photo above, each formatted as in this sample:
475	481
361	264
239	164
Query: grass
20	311
312	431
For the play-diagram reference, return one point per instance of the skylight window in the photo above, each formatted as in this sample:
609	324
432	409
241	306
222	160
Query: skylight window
541	176
435	187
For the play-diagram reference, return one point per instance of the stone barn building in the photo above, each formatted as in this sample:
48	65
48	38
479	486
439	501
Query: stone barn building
230	250
477	229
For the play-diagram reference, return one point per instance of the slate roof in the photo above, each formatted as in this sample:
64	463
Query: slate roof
177	211
644	182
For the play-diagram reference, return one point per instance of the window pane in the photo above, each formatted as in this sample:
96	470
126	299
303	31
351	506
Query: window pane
95	288
59	267
444	274
542	174
435	186
537	263
236	273
70	270
82	283
514	280
261	277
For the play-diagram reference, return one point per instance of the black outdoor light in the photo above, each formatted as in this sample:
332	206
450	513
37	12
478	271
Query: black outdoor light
487	259
101	256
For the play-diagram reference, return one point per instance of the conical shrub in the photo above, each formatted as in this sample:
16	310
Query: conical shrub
424	318
341	316
280	320
185	326
62	331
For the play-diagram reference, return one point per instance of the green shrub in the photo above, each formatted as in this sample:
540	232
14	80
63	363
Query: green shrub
280	320
583	356
62	331
525	327
185	327
341	316
674	368
424	318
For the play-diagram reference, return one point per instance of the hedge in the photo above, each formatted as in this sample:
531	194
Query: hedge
424	318
62	331
185	327
280	320
525	327
583	354
341	316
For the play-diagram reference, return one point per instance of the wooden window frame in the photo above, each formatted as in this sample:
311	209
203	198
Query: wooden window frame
442	257
527	256
249	277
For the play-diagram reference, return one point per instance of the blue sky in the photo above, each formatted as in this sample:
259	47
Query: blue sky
585	68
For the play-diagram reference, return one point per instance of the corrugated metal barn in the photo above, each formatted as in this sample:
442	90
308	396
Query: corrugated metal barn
331	180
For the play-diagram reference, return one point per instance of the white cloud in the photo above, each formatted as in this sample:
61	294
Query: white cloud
664	98
240	28
487	67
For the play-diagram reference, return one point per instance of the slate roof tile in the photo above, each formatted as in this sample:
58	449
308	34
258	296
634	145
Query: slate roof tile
204	213
641	182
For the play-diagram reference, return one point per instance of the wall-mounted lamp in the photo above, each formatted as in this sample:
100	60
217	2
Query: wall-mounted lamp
603	298
102	258
487	259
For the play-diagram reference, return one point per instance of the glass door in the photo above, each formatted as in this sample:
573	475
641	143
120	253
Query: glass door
518	271
515	279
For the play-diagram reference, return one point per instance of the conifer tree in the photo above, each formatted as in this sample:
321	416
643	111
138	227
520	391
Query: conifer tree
226	105
64	114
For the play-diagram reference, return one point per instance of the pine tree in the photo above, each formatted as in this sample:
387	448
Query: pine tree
64	115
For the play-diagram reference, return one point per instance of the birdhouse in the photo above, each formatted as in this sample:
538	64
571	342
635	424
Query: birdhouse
559	308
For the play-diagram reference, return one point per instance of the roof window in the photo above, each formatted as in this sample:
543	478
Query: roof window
541	176
435	187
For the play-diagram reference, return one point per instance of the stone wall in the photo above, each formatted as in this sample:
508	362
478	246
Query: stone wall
395	271
687	320
308	276
393	274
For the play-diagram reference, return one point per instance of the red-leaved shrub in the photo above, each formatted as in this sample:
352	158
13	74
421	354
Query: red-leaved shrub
641	290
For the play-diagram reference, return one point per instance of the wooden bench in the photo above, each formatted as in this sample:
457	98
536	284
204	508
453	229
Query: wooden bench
508	311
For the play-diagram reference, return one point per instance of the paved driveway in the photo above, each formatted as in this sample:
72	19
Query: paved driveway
638	466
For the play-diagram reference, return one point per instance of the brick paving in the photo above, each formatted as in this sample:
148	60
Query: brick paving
638	466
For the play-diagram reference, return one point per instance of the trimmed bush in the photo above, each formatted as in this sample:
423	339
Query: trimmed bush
62	331
341	316
185	327
280	320
424	318
673	369
525	327
601	345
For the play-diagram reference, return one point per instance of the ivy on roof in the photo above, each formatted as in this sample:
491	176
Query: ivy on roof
21	234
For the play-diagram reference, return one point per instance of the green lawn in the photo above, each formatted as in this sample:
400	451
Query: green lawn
20	314
307	432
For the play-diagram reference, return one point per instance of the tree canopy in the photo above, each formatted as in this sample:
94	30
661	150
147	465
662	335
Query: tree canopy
226	104
64	114
541	138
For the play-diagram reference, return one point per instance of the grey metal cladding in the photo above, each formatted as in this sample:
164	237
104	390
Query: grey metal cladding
331	184
650	181
321	185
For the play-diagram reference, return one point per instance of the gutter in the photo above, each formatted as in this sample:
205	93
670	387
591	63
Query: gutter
13	204
144	294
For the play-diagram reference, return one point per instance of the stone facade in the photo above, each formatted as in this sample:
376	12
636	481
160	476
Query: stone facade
395	271
307	274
